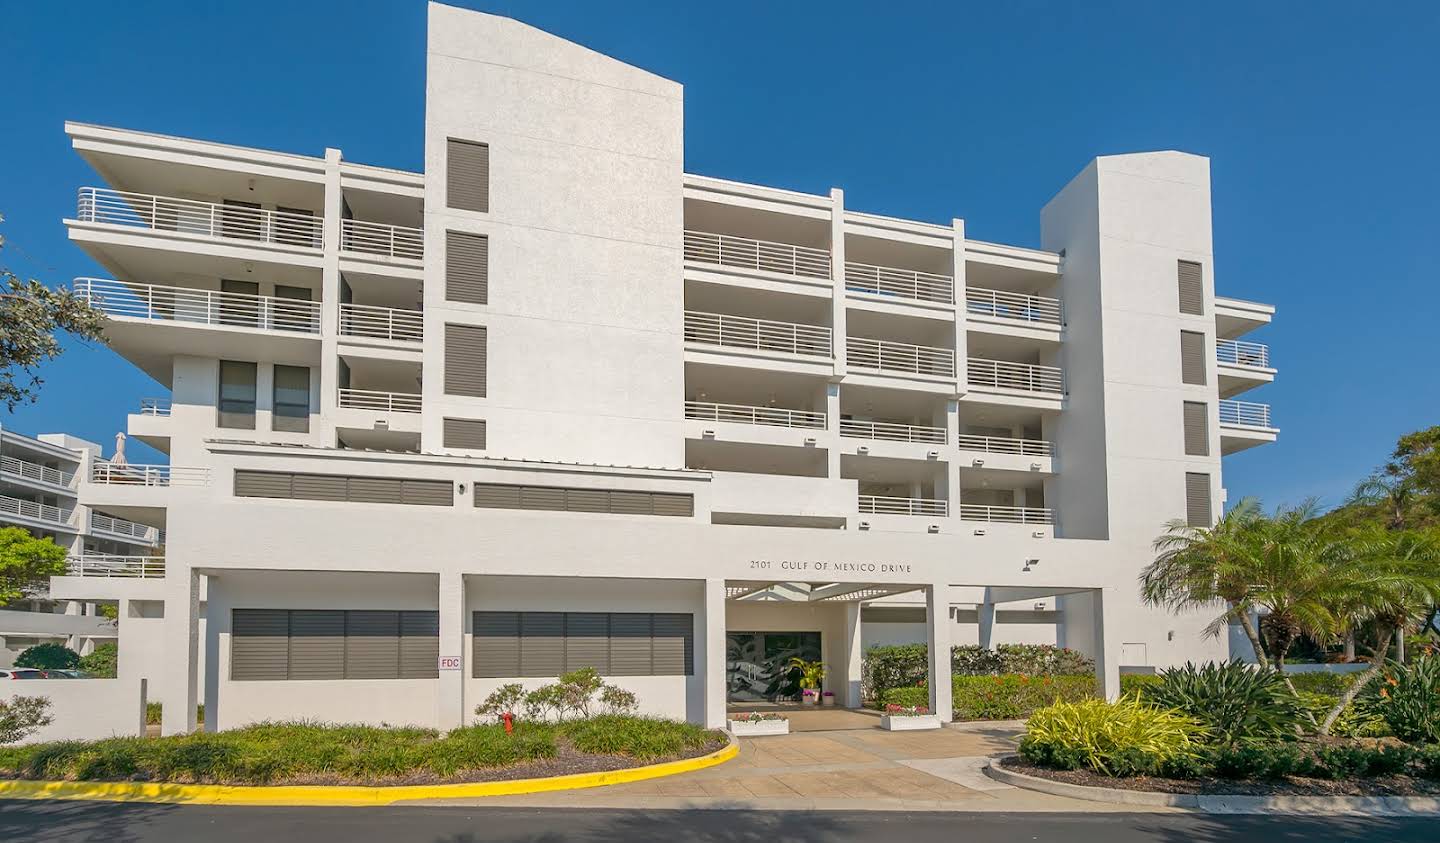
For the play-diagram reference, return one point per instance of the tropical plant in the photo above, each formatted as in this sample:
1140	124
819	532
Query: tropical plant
101	662
812	673
1407	698
21	716
48	657
26	563
1126	737
1235	701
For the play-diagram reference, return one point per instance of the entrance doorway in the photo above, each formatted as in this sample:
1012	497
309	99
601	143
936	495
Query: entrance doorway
757	664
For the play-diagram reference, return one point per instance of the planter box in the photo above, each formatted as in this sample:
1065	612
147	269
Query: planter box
758	728
908	724
830	700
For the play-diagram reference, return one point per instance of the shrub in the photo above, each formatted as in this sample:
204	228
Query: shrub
48	657
506	698
579	693
1013	696
1407	698
101	661
907	665
1044	659
1122	738
21	716
1137	684
1350	724
899	666
642	738
1428	759
1235	701
1330	684
905	697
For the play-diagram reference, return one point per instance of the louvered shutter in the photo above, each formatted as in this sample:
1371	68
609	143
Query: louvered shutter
495	645
542	498
467	267
317	644
587	641
464	433
630	644
674	644
542	643
259	644
1192	288
1197	429
262	484
465	360
374	490
467	175
1192	358
427	492
419	645
632	503
497	496
587	500
1197	500
372	644
674	505
321	487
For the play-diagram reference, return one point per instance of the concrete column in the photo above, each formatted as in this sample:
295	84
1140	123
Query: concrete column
937	619
986	611
451	604
713	665
182	650
328	373
837	277
1083	627
72	607
832	429
962	345
853	655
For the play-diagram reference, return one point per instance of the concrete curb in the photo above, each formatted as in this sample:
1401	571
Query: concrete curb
346	795
1371	806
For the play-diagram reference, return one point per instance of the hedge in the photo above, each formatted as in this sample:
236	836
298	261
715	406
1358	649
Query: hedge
907	665
1008	697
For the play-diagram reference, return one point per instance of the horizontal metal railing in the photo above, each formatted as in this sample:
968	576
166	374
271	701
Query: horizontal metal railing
743	252
188	216
891	432
1006	445
128	474
1007	514
887	356
154	406
386	323
757	334
201	307
30	509
901	283
1244	413
882	505
378	238
35	471
746	414
1238	353
111	565
1003	374
120	527
1020	306
388	402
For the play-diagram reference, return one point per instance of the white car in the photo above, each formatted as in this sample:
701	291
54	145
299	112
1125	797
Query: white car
21	673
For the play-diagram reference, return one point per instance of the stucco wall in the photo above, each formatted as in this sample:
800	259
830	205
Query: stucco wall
85	709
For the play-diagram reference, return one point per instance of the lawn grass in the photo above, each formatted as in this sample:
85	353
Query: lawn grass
270	753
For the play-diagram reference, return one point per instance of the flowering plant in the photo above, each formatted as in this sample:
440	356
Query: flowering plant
757	717
809	692
828	694
906	710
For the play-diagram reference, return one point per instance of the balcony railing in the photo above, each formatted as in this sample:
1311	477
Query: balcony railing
386	402
881	505
1251	354
385	323
783	258
1245	414
110	474
746	414
756	334
35	471
1007	514
120	527
891	432
1026	377
377	238
887	356
38	511
1019	306
1006	445
154	406
901	283
209	219
200	307
110	565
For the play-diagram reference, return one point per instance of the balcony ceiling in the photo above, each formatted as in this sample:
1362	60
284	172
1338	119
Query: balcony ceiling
191	181
183	268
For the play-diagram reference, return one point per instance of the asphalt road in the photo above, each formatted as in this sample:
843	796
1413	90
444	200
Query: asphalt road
67	822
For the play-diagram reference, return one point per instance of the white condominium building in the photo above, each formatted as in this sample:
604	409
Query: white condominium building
554	402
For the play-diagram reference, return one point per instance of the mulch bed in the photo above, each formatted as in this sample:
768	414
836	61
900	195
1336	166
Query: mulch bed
1386	786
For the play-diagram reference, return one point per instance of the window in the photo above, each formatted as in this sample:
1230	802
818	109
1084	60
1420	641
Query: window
524	644
333	644
464	433
242	219
1197	429
467	175
239	303
1192	358
237	395
467	267
1197	500
292	399
561	499
285	316
292	230
342	488
1192	288
466	358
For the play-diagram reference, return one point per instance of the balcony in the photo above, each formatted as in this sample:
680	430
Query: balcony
899	283
35	473
1250	355
111	474
756	334
1006	445
200	307
891	432
762	255
1013	307
126	530
108	565
886	356
745	414
1007	514
1242	366
35	511
387	241
1245	414
880	505
382	323
385	402
1244	424
159	407
1022	377
203	219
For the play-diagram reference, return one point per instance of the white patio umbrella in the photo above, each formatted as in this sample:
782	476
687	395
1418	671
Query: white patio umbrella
119	458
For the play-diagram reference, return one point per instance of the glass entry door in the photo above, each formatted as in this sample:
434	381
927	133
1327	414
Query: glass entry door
757	664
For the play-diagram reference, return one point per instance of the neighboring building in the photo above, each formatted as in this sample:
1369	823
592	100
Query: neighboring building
42	490
554	402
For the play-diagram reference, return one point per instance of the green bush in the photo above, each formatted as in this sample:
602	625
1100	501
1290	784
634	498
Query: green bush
1007	697
1137	684
1350	724
1264	761
1330	684
1407	698
1122	738
907	665
897	666
48	657
101	661
642	738
1235	701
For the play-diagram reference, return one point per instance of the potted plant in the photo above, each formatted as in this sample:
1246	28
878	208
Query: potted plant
758	723
812	675
827	698
905	718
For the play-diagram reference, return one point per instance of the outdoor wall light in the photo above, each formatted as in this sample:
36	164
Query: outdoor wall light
864	525
934	528
1030	563
1038	534
462	488
934	455
1034	466
979	532
862	450
810	440
708	434
978	463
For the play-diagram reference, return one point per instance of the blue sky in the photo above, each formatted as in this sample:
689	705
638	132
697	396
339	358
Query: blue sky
1320	118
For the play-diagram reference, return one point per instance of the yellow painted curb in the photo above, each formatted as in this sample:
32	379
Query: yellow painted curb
214	794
